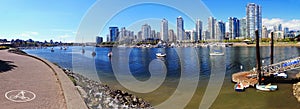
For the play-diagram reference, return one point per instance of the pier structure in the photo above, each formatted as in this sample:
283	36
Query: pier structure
281	66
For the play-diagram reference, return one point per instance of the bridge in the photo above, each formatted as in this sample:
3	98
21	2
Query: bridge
281	66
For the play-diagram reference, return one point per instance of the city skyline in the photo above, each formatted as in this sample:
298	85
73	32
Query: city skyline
45	20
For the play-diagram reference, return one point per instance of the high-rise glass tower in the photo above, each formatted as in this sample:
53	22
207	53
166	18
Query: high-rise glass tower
234	27
171	36
180	29
113	32
211	27
264	32
219	31
146	31
243	27
164	30
199	29
254	20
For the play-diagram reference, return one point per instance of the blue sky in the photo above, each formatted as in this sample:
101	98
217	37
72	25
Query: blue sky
60	19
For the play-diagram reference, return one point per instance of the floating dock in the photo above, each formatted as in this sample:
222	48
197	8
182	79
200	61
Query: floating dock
246	78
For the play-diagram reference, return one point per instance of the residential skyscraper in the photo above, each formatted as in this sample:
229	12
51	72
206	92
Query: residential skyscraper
99	40
265	32
279	27
199	29
113	32
164	30
172	37
153	34
140	36
254	20
234	27
180	29
187	35
211	28
146	31
220	31
243	28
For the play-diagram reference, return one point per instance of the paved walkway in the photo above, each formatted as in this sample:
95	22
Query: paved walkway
51	90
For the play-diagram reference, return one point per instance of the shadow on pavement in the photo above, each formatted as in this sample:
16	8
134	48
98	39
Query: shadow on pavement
6	66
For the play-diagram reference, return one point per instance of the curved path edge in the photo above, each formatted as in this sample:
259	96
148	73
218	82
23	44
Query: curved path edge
72	97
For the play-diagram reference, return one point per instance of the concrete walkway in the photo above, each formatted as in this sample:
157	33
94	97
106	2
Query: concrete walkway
50	86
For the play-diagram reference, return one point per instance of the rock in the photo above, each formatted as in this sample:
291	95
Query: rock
100	96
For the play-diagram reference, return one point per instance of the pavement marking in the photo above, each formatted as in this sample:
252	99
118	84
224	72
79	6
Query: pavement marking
20	95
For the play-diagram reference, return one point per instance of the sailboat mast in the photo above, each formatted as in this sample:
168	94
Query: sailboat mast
258	62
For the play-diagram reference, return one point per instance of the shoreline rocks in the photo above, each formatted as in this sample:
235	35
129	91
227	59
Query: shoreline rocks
296	89
99	96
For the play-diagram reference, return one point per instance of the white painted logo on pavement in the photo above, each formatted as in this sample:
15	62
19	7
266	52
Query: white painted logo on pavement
20	95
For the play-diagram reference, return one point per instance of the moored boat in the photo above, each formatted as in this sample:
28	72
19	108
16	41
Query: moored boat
268	87
239	87
161	54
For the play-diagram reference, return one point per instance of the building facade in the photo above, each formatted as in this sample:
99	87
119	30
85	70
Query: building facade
180	29
254	20
164	30
211	28
113	33
219	31
199	29
172	37
146	31
243	28
99	40
234	27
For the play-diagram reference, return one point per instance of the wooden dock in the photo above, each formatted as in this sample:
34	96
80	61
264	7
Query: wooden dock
243	77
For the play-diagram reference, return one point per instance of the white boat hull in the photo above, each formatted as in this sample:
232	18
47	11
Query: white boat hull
266	87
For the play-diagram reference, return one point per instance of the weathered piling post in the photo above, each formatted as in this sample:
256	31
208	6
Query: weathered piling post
258	63
272	48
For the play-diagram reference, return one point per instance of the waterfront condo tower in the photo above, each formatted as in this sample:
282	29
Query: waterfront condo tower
146	31
164	30
234	27
180	29
113	32
211	28
199	29
254	20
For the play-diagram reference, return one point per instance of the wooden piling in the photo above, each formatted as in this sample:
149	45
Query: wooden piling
272	48
258	61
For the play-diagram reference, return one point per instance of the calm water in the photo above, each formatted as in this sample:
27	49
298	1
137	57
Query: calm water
180	63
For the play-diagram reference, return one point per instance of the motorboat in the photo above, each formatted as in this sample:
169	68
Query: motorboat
161	54
268	87
281	75
239	87
216	53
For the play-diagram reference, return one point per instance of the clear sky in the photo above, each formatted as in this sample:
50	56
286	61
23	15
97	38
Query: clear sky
59	19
